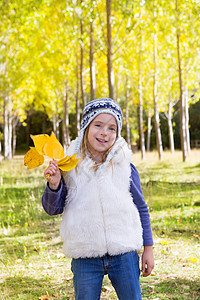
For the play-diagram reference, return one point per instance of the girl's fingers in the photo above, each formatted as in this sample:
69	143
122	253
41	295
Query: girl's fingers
53	163
147	271
51	171
52	168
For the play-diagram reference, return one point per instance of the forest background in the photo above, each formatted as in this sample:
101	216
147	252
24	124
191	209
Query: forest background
55	56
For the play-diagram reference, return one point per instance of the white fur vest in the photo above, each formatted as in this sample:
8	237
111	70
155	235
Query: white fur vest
100	216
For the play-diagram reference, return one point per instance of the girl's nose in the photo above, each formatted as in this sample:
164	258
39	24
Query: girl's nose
103	131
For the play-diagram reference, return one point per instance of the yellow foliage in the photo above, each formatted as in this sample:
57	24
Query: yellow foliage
45	297
163	242
39	141
51	147
33	159
193	259
68	162
48	145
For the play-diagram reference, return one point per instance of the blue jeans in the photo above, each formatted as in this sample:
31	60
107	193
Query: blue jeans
123	272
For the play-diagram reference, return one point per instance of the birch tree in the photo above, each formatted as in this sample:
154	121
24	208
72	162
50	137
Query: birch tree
127	95
182	103
66	136
155	95
82	82
110	71
142	140
148	129
92	64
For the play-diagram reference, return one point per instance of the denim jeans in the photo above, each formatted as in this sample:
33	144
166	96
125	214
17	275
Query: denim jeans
123	272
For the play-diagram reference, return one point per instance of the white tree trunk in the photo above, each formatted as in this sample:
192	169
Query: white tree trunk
142	140
10	126
7	129
170	127
111	81
0	151
155	99
81	63
56	125
182	104
148	130
66	137
128	138
15	121
77	103
187	120
92	65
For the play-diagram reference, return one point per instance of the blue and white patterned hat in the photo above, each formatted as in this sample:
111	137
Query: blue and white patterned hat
93	109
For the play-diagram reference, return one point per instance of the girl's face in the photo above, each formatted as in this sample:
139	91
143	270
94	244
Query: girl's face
102	134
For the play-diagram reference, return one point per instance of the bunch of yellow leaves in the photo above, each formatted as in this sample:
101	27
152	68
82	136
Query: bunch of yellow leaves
49	146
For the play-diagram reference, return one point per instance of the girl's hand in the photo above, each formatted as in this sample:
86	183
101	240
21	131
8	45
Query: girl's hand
52	174
147	261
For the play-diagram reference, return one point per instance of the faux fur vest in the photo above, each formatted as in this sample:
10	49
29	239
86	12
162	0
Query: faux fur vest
100	216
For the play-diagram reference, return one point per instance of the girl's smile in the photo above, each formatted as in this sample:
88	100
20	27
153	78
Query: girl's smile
101	141
101	135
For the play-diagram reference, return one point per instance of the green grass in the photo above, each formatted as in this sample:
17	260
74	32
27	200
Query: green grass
32	265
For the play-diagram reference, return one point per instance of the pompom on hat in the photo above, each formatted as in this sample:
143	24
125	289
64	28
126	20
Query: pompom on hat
93	109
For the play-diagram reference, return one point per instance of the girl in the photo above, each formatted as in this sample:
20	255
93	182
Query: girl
105	217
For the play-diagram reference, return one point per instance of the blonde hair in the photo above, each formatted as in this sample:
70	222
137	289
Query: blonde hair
84	149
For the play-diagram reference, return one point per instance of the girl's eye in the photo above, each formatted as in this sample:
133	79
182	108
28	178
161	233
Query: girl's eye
97	125
112	128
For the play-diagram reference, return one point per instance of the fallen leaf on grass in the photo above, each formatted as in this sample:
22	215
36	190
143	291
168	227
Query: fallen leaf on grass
163	242
152	273
60	255
193	259
106	289
45	297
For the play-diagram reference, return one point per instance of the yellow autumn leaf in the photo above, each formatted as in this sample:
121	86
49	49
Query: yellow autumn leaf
45	297
163	242
154	273
193	259
65	159
33	159
68	163
39	141
52	148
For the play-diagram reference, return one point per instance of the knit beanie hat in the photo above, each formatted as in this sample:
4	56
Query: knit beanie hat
93	109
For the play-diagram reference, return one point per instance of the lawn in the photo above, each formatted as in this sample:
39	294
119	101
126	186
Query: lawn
32	265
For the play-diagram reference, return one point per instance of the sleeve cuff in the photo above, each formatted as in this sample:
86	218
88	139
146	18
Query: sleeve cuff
57	190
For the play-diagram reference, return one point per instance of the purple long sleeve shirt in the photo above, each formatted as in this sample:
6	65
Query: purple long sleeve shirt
54	202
